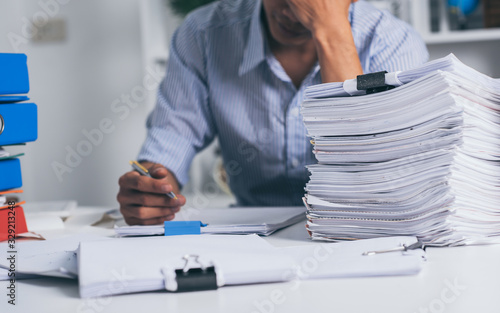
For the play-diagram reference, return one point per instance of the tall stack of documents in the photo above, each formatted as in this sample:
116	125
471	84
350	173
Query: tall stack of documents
18	125
421	159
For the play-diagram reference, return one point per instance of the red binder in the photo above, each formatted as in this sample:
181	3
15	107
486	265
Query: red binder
12	219
12	222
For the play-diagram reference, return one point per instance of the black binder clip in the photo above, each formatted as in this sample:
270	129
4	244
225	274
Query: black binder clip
196	278
373	82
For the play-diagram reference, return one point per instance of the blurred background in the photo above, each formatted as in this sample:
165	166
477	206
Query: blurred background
95	65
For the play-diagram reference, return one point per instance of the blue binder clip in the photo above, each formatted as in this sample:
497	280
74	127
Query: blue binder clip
173	228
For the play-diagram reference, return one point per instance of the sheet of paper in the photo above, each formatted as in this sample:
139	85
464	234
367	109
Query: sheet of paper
347	259
41	221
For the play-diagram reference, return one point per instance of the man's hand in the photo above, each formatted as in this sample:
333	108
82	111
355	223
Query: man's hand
143	199
317	15
331	31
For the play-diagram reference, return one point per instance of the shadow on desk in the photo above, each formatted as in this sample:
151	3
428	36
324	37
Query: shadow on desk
68	287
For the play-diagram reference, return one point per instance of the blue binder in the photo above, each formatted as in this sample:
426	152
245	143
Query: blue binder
18	123
13	74
10	177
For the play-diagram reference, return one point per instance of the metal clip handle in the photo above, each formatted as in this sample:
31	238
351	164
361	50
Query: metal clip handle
188	257
403	247
2	124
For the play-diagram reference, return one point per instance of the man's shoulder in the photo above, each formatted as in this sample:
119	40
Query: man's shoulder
367	17
224	13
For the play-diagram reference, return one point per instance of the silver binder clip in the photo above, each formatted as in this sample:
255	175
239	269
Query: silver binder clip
188	257
417	245
193	276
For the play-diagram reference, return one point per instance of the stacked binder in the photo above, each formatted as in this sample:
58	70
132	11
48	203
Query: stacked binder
420	159
18	125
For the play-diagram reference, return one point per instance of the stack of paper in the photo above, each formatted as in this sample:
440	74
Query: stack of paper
421	159
262	221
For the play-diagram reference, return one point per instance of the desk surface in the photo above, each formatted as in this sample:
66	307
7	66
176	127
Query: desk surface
462	279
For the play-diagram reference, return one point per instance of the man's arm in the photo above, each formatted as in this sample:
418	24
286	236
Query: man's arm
331	31
179	126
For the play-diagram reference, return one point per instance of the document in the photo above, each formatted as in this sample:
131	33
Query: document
351	259
147	264
243	220
421	159
56	257
108	266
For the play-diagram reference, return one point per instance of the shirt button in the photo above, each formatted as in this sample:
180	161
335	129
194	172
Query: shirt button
294	112
295	162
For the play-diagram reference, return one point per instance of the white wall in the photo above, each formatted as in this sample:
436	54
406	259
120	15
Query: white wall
482	55
74	84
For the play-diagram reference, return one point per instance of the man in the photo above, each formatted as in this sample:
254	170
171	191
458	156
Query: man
237	70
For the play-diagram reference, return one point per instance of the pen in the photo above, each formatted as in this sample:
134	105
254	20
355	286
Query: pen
143	171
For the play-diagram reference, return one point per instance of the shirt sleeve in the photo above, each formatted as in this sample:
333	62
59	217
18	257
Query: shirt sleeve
181	123
396	46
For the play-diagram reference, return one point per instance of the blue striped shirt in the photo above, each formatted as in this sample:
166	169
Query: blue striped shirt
222	80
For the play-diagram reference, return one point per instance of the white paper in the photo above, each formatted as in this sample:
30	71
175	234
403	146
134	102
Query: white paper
126	265
54	257
248	220
421	159
140	261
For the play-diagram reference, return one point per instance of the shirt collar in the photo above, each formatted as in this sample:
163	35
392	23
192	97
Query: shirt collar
254	50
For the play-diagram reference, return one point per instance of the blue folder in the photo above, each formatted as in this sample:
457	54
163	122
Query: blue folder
18	123
10	177
13	74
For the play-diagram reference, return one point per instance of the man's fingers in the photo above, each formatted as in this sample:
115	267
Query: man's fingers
147	213
144	200
158	171
153	221
134	197
134	180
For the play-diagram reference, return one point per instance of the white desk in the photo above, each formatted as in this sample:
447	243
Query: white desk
476	271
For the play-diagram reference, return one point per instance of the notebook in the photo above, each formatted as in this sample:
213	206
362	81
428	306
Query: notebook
242	220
